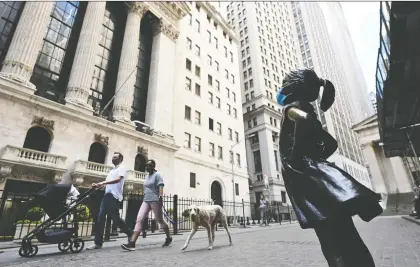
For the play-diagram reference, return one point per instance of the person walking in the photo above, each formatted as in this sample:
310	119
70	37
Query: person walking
153	192
323	196
114	186
263	211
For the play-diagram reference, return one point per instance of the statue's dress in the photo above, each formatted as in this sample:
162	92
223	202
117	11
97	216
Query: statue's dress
319	189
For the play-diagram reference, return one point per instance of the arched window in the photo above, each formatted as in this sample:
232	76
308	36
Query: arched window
53	65
105	72
10	12
140	163
38	138
216	193
143	68
97	153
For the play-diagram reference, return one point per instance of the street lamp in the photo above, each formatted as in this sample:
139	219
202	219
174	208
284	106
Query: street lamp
233	178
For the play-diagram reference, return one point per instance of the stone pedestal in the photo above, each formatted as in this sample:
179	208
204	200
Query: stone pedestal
160	94
26	43
84	61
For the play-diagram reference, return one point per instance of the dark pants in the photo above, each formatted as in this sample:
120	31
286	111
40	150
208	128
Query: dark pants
342	245
109	206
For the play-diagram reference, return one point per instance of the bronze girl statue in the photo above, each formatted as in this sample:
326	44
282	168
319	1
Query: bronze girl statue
324	196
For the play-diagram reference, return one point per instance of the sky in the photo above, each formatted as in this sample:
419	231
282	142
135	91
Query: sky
363	22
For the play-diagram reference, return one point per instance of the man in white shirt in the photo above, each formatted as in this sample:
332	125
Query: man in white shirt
110	203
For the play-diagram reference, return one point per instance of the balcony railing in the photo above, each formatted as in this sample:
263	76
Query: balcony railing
32	157
92	168
97	170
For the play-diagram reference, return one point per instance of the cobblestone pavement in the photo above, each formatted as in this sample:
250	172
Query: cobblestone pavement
392	240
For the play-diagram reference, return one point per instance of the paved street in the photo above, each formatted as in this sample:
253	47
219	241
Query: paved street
392	240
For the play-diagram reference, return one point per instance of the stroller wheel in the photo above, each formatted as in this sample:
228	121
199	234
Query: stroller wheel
77	245
65	246
28	251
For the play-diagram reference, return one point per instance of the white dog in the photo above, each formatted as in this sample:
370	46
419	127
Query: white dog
206	216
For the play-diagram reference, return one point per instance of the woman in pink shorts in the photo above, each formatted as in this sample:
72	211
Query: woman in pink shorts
153	191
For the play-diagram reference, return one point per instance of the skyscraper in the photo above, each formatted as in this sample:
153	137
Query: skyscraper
343	46
317	53
267	52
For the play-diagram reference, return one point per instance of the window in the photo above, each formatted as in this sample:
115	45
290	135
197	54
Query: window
210	80
187	113
235	113
216	43
238	159
231	55
283	197
226	52
257	161
197	26
219	128
227	92
234	96
197	89
189	19
251	83
232	78
197	144
211	150
220	152
229	111
209	36
252	94
188	83
189	44
209	60
197	51
230	133
231	156
187	140
216	65
237	189
255	122
217	85
188	64
197	117
211	124
237	137
192	180
255	139
52	67
218	105
226	74
197	71
210	97
276	159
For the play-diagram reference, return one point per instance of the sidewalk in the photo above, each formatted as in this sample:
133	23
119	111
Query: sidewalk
156	237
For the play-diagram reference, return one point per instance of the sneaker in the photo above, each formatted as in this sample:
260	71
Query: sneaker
94	246
131	246
168	241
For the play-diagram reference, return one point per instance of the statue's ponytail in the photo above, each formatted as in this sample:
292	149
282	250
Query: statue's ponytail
328	95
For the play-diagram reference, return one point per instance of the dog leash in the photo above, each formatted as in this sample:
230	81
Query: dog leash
165	213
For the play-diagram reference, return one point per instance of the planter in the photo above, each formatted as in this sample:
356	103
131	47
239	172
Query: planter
85	229
23	229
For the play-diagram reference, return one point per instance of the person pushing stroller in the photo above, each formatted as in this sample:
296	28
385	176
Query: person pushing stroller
114	186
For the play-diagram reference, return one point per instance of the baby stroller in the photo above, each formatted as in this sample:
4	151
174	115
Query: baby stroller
53	200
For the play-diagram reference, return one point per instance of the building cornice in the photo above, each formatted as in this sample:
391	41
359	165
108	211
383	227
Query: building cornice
219	19
262	109
13	92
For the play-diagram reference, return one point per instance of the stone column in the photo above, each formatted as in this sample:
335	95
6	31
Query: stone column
84	61
160	93
27	42
126	77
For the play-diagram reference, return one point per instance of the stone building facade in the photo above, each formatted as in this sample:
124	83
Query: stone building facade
81	80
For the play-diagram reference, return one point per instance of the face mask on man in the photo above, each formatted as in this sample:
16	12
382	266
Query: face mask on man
115	161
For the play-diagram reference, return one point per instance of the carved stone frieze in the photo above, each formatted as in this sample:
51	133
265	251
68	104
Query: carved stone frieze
19	64
128	186
171	10
142	150
165	28
78	180
5	171
139	7
101	138
16	79
49	124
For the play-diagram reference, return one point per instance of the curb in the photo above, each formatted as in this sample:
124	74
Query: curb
410	219
115	238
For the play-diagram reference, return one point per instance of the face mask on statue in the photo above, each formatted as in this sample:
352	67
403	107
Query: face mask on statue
281	97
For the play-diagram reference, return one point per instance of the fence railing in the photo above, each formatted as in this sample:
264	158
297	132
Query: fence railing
20	214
